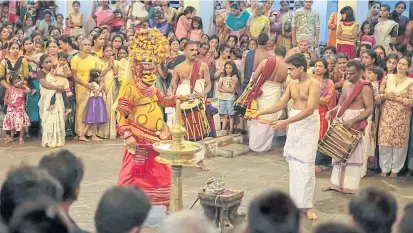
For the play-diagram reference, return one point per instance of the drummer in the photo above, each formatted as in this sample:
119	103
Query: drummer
201	84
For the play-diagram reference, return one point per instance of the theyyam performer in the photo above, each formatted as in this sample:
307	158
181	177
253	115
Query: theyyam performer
303	131
191	77
140	118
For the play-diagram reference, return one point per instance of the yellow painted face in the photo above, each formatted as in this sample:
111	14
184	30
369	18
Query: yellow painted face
149	79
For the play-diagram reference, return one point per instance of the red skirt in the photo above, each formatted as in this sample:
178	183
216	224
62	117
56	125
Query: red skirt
142	170
348	49
323	122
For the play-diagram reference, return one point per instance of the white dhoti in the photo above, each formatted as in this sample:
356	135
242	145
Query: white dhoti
301	148
185	89
346	179
260	131
369	145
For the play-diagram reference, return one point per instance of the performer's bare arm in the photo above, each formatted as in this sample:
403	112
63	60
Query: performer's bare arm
174	81
207	78
259	69
312	103
367	95
280	105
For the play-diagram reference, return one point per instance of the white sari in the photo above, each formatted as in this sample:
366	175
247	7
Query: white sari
53	122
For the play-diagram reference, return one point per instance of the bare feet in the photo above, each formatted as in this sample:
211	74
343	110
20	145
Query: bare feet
21	141
383	174
202	166
318	169
67	112
8	139
394	175
96	138
83	138
327	189
311	214
51	107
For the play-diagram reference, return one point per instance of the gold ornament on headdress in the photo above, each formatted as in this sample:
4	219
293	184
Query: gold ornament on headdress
149	45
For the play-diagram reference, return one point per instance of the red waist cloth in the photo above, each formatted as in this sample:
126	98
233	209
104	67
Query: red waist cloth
322	110
142	170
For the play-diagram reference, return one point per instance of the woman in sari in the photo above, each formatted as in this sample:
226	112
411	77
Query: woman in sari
33	98
98	42
67	45
327	102
385	29
401	20
81	65
53	122
109	72
396	96
258	23
52	49
332	25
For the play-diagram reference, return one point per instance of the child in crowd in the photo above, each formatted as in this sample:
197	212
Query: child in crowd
364	35
117	22
96	106
227	87
61	74
196	29
391	64
38	47
122	62
16	117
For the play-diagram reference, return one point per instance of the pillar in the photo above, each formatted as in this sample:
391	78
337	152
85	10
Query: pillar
320	7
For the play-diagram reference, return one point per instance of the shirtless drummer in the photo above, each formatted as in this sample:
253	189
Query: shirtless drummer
303	129
182	74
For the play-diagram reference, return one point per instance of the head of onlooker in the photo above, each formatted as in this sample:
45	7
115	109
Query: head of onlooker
187	222
404	224
336	228
68	170
373	210
273	210
122	209
263	39
41	215
26	184
280	51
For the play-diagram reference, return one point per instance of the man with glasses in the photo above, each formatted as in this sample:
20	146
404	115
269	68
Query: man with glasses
306	21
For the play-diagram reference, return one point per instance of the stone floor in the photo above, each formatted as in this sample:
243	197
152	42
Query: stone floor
252	173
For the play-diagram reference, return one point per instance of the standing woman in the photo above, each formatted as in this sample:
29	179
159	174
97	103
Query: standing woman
98	42
81	65
109	72
400	19
52	49
396	96
53	122
332	25
385	29
347	32
33	83
117	42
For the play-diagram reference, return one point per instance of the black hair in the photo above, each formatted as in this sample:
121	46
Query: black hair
244	35
356	64
336	228
95	37
409	62
391	56
203	44
41	215
297	60
205	35
280	51
173	40
118	36
14	77
48	42
273	211
263	39
26	184
405	223
42	58
75	2
182	39
124	48
325	64
68	39
222	49
187	10
332	48
373	56
189	42
237	53
235	6
362	27
400	47
24	41
67	169
388	8
380	47
214	37
374	210
12	43
120	209
197	19
394	14
234	69
349	14
62	54
377	70
47	12
235	38
94	75
359	49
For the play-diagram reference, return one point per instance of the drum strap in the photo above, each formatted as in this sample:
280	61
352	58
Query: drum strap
195	74
356	91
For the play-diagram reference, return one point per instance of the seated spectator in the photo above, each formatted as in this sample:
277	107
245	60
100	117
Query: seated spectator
187	222
373	210
68	170
42	215
273	211
26	184
122	209
336	228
